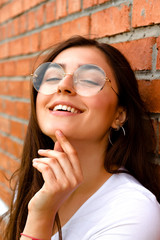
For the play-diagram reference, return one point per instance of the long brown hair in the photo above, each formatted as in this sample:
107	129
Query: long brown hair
134	151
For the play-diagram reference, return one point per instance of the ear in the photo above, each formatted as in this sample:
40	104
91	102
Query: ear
120	117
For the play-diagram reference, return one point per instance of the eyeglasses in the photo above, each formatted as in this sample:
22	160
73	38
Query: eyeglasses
88	79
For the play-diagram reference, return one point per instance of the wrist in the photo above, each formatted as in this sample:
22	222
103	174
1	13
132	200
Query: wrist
29	237
39	225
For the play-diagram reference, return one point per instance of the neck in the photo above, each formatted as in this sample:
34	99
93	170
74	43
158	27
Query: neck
91	155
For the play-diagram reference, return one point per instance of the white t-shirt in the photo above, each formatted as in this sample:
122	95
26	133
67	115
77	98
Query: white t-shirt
121	209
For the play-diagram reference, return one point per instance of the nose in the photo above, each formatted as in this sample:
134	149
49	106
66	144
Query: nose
66	85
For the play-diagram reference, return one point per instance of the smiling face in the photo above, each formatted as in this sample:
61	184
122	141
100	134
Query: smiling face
82	118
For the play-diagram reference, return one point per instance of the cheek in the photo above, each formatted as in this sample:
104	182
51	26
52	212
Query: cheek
105	104
104	111
41	102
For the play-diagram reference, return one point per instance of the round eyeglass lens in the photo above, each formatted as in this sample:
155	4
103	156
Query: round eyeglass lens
47	77
89	79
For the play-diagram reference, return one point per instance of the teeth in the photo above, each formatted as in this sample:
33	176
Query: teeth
69	109
65	108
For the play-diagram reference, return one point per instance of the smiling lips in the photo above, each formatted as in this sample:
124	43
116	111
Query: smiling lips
66	108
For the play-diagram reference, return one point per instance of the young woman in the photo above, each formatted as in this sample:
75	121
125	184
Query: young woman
86	170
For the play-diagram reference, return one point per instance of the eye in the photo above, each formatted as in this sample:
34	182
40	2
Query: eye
89	82
53	79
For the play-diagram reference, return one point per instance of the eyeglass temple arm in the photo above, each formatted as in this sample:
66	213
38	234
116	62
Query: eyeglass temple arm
108	80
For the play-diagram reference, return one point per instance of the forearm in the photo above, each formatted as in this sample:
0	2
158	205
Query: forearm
39	226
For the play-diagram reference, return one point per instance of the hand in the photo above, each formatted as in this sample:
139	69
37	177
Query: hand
62	174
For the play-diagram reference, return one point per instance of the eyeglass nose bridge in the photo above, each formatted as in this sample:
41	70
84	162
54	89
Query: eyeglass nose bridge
66	85
65	74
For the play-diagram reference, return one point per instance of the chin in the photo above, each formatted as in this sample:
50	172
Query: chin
51	132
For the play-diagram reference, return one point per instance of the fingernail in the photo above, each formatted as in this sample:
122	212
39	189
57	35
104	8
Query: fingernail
59	133
41	150
35	160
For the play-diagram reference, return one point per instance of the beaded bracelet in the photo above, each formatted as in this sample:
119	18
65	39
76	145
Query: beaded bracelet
22	234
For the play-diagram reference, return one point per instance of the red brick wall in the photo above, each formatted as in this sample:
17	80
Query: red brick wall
29	26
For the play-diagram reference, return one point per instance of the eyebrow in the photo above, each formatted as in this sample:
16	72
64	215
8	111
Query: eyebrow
63	65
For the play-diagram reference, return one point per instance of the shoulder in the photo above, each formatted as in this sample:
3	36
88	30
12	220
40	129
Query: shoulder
127	191
131	209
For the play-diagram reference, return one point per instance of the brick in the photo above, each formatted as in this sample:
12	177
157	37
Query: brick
4	13
4	124
15	149
9	108
13	165
30	4
26	5
150	93
34	42
3	163
102	1
39	15
8	164
1	69
9	68
74	6
89	3
10	30
23	23
113	20
145	12
31	20
26	45
1	105
22	110
3	32
23	67
36	61
4	177
50	11
16	129
4	50
61	8
26	89
19	89
15	88
15	47
16	28
3	1
3	87
158	54
16	8
138	52
78	26
49	37
4	159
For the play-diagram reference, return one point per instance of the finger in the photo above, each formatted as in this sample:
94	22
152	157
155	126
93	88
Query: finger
54	175
57	147
48	175
53	157
70	151
64	143
60	157
50	169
